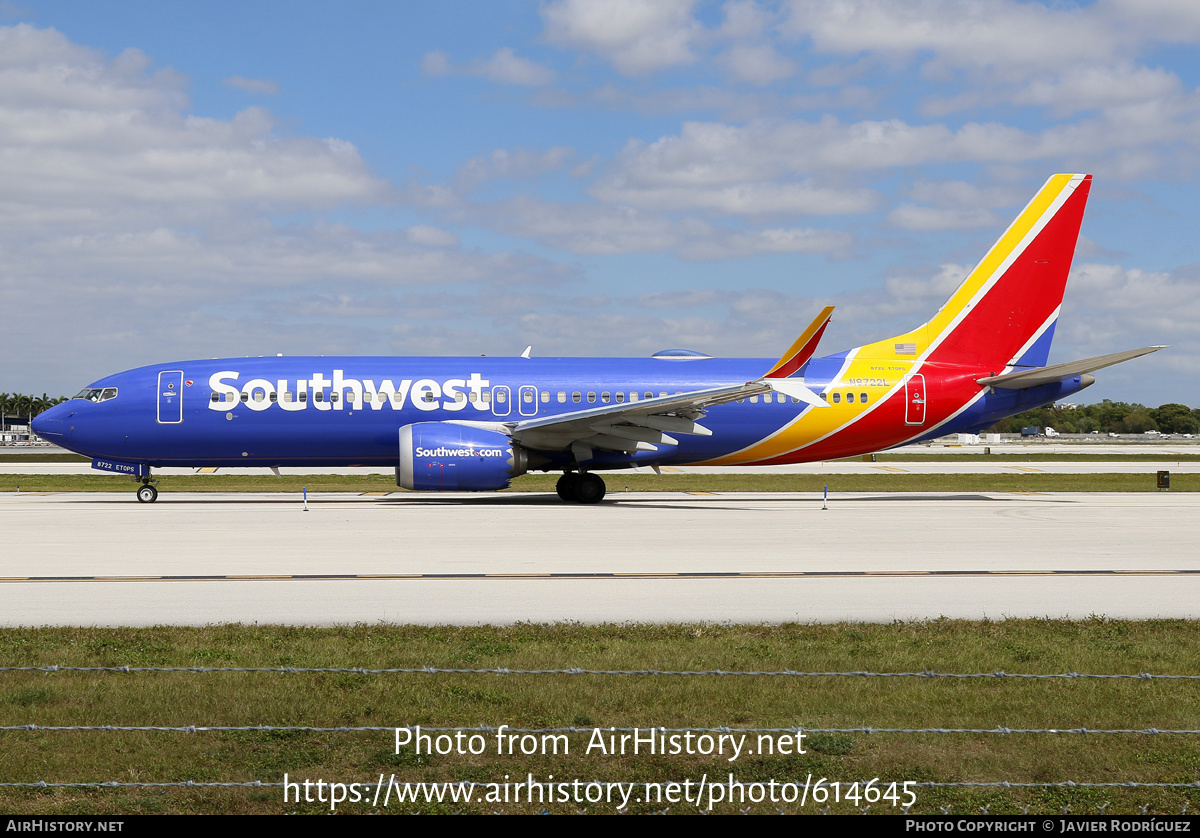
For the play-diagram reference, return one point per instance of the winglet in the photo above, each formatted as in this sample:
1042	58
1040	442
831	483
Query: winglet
527	352
804	347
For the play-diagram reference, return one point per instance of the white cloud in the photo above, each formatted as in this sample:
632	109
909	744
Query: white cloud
423	234
757	63
504	67
688	298
920	293
774	164
957	205
127	223
600	229
928	219
1067	59
1096	86
637	36
265	87
734	244
106	144
584	228
1110	307
744	19
746	198
516	164
1003	36
508	68
41	70
436	63
1171	21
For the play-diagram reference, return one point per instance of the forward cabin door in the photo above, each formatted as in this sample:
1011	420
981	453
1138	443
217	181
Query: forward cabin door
170	397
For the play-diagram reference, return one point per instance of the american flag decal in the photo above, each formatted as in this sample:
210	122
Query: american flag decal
906	349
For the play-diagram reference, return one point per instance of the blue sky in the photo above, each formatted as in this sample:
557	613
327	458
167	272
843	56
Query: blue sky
593	177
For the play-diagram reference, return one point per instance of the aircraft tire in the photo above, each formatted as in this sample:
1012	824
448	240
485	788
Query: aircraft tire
147	494
590	489
568	487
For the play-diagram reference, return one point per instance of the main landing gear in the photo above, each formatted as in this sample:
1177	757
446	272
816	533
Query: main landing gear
580	487
147	492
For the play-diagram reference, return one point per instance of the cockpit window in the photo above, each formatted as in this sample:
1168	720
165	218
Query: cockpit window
97	394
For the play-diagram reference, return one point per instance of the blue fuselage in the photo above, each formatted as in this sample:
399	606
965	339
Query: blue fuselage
329	411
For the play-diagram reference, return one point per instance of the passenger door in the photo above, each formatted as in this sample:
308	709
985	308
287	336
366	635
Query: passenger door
170	397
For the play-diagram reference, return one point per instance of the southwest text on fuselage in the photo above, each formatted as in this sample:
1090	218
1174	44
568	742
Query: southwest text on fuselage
451	394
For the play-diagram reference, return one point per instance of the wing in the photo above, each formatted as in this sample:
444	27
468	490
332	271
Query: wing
645	425
633	426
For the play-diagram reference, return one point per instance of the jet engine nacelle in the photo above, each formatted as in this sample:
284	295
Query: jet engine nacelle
447	457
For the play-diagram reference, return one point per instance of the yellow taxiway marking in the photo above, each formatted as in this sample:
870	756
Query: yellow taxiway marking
1024	468
671	470
374	494
207	470
704	494
890	468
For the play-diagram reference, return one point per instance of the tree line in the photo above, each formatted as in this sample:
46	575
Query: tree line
22	408
1106	417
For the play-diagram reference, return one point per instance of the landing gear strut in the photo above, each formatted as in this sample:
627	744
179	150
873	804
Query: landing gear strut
580	487
147	492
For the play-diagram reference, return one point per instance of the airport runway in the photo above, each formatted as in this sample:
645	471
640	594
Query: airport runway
101	559
613	477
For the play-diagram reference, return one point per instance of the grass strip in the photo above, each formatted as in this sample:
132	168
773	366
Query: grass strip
1095	645
41	457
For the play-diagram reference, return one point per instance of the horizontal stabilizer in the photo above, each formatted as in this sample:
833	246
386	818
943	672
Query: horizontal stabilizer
1061	372
804	347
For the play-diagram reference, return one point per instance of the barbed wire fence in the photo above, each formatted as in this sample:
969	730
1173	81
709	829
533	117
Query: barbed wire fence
573	730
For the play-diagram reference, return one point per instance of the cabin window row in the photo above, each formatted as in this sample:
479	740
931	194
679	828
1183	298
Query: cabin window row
836	397
485	396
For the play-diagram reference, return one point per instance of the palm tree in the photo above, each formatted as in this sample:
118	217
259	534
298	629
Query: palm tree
21	406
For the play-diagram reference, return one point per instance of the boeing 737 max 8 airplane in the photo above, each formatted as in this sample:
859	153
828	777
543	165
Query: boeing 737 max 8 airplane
473	424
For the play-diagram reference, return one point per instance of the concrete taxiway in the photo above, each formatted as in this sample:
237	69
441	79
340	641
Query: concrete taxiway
104	559
1163	462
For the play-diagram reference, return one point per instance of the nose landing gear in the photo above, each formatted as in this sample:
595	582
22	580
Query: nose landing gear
580	487
148	491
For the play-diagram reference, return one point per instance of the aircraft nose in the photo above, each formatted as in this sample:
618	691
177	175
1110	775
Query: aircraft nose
50	424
